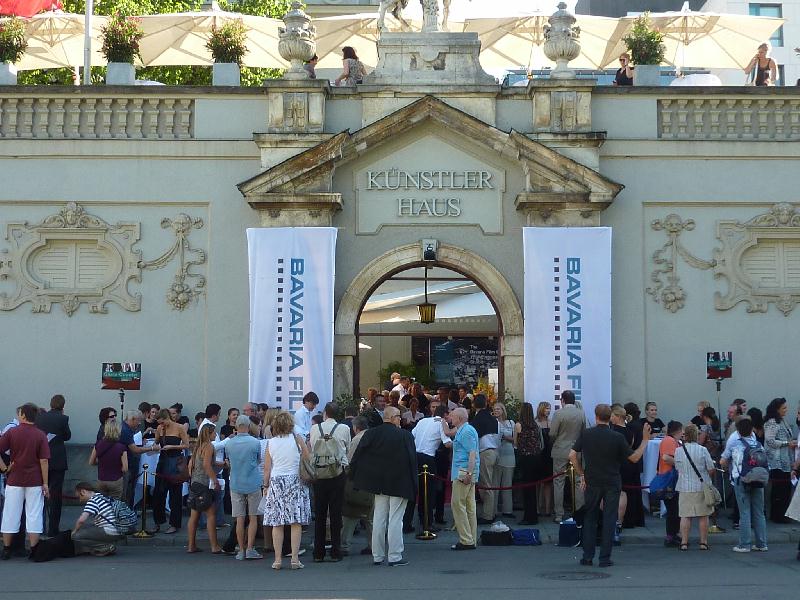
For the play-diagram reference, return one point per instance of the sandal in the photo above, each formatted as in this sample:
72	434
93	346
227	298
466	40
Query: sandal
297	565
194	550
685	547
171	530
277	566
704	546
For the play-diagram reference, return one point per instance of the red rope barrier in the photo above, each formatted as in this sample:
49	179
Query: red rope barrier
511	487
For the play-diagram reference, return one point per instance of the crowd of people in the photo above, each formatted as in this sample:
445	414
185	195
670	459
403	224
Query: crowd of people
401	453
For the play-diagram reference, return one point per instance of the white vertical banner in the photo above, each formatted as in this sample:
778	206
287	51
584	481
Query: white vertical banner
568	314
291	314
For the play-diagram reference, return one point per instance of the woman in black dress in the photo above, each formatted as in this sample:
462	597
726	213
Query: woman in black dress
170	472
544	491
632	472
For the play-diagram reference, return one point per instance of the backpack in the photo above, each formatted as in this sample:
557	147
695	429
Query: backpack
125	519
328	455
754	471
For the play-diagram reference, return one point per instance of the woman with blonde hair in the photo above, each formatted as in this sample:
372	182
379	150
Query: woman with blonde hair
202	475
544	491
695	468
111	457
288	501
505	458
766	70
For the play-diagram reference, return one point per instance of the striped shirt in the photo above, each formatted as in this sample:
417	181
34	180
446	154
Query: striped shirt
687	478
102	508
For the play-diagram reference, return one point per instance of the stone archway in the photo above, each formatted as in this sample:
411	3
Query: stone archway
459	259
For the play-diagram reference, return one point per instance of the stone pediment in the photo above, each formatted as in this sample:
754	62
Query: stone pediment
552	181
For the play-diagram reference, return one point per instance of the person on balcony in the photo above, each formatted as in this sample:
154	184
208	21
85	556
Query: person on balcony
766	69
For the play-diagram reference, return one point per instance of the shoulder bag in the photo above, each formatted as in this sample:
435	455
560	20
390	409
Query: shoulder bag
306	468
711	495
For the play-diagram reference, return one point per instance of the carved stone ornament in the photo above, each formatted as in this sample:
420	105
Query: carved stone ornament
74	258
297	41
181	293
71	258
760	259
562	42
666	289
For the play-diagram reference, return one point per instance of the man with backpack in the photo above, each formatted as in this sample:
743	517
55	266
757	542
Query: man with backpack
111	521
746	461
329	441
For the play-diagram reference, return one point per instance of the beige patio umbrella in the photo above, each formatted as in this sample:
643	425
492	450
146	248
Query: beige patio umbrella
180	38
518	41
55	40
700	39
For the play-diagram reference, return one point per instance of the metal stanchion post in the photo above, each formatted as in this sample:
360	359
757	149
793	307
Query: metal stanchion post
426	534
143	533
571	474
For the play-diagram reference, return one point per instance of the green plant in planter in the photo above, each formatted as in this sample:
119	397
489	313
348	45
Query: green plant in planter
121	37
227	43
12	40
644	42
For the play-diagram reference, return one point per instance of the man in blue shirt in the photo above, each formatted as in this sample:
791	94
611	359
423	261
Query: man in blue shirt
243	452
464	472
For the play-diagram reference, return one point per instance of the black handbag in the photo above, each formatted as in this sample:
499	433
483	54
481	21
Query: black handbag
200	497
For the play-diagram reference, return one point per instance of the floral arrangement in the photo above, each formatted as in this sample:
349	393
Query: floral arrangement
12	40
227	43
487	389
644	42
121	37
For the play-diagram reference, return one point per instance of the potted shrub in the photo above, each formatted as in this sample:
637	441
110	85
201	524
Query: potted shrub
121	38
227	46
645	44
12	47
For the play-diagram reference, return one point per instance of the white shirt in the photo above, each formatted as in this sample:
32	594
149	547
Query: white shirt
302	421
428	435
399	388
285	456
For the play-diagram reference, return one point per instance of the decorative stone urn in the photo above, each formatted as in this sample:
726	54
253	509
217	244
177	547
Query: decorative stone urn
561	42
297	42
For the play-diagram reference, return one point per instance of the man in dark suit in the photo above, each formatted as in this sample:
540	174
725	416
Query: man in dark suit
385	464
56	424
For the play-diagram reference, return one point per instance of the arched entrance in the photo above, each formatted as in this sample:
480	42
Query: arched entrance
463	261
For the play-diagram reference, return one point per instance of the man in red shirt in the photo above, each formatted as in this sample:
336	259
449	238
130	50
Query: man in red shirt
26	477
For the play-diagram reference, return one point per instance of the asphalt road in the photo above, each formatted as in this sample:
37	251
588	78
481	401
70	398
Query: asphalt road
151	570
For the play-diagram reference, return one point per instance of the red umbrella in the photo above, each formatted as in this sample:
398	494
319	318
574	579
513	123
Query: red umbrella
27	8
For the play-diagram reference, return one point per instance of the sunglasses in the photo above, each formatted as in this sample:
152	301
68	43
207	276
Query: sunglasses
112	416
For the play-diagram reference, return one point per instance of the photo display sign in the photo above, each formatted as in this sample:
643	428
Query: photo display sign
121	376
719	365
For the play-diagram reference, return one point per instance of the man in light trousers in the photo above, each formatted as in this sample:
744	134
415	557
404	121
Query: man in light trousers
464	472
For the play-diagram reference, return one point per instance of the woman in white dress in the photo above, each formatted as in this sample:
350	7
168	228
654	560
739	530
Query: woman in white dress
288	501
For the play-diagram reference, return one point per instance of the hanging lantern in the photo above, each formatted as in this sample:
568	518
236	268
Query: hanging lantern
427	311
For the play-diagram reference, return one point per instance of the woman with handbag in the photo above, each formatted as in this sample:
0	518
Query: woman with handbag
110	456
171	472
201	496
666	462
287	497
695	471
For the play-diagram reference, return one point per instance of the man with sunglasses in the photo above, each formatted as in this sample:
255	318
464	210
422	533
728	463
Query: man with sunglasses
624	74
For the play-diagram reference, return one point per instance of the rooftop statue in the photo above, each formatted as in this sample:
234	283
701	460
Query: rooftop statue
430	14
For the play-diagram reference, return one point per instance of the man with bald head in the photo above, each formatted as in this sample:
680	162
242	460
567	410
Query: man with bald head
464	472
385	464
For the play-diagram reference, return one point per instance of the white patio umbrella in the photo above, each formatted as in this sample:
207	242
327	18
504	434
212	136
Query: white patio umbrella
518	41
700	39
55	40
180	38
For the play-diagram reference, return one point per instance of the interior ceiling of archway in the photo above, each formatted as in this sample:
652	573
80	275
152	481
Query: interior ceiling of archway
456	298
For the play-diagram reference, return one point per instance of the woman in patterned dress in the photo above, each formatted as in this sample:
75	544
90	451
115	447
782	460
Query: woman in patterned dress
288	501
353	70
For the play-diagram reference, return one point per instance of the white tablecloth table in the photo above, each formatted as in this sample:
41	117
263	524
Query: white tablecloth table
650	461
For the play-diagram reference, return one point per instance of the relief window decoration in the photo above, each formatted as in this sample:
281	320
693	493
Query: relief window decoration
73	258
759	259
666	289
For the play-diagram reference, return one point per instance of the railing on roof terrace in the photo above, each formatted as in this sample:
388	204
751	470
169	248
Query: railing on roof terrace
721	118
96	117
